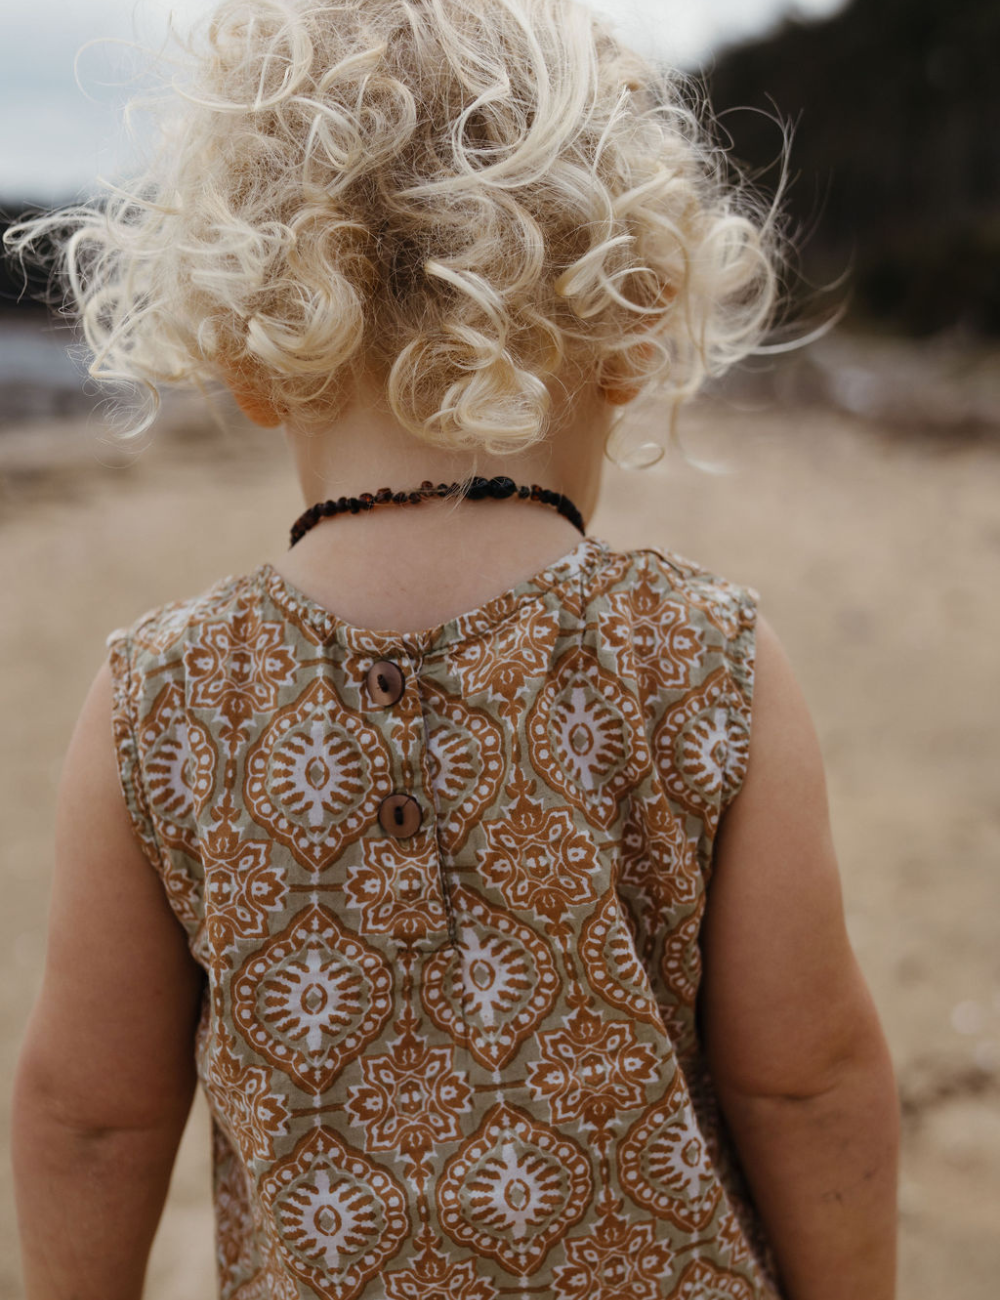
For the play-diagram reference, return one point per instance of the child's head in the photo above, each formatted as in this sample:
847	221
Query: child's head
472	201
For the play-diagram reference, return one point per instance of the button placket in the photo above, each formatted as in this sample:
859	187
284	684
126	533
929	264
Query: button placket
400	814
412	872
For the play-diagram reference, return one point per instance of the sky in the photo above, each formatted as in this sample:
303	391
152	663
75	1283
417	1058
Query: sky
56	138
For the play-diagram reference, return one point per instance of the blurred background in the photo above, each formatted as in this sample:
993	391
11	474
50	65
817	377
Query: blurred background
861	497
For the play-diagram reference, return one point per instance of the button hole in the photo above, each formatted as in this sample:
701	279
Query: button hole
383	685
397	812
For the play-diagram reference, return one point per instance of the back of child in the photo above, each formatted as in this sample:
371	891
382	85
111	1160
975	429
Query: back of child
479	873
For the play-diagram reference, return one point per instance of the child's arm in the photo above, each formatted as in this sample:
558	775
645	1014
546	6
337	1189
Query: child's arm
793	1040
106	1074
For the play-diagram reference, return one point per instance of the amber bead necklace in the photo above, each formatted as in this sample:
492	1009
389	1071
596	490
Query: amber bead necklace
477	489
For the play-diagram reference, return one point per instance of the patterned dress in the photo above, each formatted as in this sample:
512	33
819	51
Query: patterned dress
447	888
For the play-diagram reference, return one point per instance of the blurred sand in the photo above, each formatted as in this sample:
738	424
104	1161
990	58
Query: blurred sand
878	559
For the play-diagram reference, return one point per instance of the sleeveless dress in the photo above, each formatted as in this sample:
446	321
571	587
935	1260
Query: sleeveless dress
446	888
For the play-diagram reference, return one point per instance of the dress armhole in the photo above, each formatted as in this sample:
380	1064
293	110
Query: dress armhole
740	656
123	730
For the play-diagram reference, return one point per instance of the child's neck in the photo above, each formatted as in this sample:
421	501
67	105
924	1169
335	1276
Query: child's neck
366	448
411	567
407	569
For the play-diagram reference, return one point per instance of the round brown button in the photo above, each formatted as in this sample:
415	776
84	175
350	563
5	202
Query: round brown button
400	815
385	683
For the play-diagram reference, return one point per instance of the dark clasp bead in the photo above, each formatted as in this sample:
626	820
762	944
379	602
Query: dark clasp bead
502	487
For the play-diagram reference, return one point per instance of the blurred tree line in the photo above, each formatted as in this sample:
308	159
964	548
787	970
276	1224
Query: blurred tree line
895	163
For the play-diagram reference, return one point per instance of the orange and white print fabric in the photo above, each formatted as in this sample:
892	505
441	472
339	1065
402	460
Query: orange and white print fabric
450	942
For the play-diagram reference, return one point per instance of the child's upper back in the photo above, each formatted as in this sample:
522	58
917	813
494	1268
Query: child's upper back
448	887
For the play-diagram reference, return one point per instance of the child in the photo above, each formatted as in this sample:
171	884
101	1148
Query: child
481	874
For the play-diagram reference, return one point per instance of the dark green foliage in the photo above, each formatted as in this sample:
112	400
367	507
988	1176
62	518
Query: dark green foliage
896	156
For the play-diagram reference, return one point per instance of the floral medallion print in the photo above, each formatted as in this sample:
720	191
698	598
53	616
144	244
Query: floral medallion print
585	735
457	1281
701	1280
254	1115
268	1285
434	1275
136	804
161	629
700	752
661	639
238	1259
701	1092
242	885
592	1070
612	967
412	1097
658	858
398	892
466	761
304	618
157	634
725	605
182	888
311	998
342	1218
494	992
513	1189
181	761
276	1282
315	778
536	856
732	1241
501	665
462	1064
237	666
680	959
618	1259
664	1165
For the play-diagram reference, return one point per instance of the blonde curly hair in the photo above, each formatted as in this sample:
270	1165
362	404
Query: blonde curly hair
472	198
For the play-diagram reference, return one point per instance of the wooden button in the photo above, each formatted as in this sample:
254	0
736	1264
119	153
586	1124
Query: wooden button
400	815
385	683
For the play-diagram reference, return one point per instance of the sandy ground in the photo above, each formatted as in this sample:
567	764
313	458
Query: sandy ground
878	559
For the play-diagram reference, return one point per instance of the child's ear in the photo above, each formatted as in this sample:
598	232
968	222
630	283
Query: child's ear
249	397
617	387
256	407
